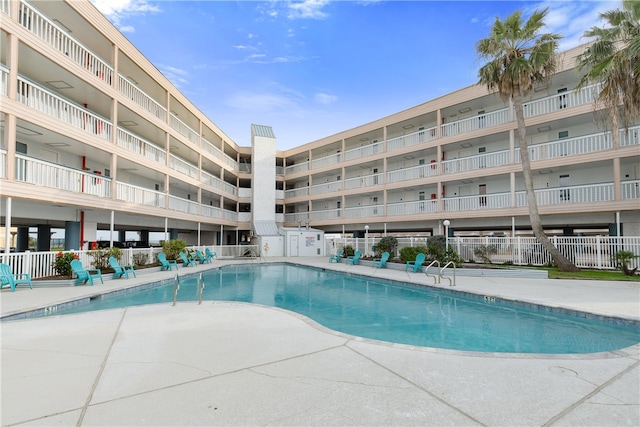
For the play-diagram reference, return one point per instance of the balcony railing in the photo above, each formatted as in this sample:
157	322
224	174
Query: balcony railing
568	147
212	181
562	100
183	205
364	151
412	208
478	161
424	135
327	187
477	202
133	92
183	129
46	174
51	33
471	124
3	164
363	181
364	211
4	81
323	214
415	172
140	146
217	153
296	192
47	102
591	193
229	215
630	189
211	211
299	167
331	159
184	167
632	137
297	216
139	195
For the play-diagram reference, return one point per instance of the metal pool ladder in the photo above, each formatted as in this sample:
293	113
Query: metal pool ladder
454	273
436	278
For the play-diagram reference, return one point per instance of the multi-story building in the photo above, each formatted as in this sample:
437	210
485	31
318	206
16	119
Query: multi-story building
94	137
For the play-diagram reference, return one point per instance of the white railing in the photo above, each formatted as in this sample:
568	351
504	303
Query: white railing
51	33
230	215
55	106
414	138
327	187
480	121
298	167
137	95
212	149
415	172
183	167
231	189
4	79
562	100
630	189
363	181
211	211
212	180
297	216
630	138
591	193
140	146
47	174
183	205
364	211
139	195
477	202
478	161
5	6
568	147
183	129
367	150
323	214
296	192
412	208
331	159
3	163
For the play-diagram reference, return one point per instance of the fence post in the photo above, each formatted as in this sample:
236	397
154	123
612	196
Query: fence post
599	251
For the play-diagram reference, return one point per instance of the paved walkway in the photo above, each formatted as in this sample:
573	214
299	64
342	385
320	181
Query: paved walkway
239	364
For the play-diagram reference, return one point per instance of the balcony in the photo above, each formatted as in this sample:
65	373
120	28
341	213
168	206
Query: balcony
415	138
471	124
139	195
140	146
296	192
478	161
184	167
4	79
592	193
327	187
300	167
323	215
568	99
183	129
331	159
367	150
133	92
363	181
412	208
363	211
416	172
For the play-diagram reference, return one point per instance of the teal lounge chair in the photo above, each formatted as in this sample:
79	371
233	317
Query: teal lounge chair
336	257
187	261
417	264
85	275
355	259
382	261
120	270
166	264
203	258
209	254
7	278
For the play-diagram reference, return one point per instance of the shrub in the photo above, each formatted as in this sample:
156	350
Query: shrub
623	258
140	258
101	257
62	264
348	251
173	247
386	244
409	253
484	252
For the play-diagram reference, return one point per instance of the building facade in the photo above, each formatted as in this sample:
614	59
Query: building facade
94	138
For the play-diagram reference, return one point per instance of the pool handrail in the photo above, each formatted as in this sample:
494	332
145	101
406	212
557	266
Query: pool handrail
436	278
454	273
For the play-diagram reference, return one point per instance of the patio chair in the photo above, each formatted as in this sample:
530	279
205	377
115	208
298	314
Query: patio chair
382	261
417	264
336	257
209	254
355	259
186	260
120	270
166	264
7	278
85	275
202	257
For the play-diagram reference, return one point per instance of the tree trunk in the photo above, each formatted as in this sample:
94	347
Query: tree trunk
562	262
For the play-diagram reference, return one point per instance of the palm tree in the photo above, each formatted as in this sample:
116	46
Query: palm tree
519	57
613	59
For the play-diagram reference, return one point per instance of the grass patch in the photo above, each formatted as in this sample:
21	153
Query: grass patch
554	273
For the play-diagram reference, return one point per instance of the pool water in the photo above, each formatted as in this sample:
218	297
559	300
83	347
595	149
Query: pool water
389	311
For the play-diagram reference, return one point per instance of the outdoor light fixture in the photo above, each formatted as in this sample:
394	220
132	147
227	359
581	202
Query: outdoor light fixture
446	223
366	239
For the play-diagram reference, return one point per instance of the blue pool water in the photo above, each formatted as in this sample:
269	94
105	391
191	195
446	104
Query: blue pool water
387	311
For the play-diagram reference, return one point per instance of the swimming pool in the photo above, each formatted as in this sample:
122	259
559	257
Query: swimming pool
389	311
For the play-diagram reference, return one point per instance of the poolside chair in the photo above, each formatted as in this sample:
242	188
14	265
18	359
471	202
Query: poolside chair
209	254
355	259
7	278
417	264
85	275
120	270
336	257
382	261
166	264
186	260
202	257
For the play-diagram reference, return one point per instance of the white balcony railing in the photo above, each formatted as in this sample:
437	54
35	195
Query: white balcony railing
323	214
327	187
364	151
412	208
416	172
231	189
184	167
562	100
3	163
331	159
46	174
364	211
183	129
183	205
297	216
140	146
212	181
363	181
298	167
632	137
139	195
137	95
630	189
591	193
211	211
470	124
424	135
296	192
568	147
4	80
47	102
477	202
52	34
229	215
478	161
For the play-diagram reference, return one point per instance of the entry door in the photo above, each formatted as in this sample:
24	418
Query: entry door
294	249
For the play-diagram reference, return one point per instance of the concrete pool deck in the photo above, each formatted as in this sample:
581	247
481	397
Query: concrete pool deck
225	363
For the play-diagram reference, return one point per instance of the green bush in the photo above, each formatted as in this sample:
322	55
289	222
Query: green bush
101	257
62	264
409	253
140	258
348	251
623	258
386	244
173	247
484	252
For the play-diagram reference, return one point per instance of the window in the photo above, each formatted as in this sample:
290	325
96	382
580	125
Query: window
563	145
562	98
482	160
565	194
482	191
481	119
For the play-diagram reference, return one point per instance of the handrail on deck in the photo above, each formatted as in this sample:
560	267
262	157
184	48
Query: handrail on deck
454	273
436	278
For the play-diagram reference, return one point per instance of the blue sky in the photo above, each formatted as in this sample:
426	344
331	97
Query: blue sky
314	68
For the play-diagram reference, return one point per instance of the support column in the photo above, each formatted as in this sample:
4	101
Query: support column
22	239
71	235
44	238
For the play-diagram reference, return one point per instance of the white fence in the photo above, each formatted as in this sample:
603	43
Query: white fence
591	252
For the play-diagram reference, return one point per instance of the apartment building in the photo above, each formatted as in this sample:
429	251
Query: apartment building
94	138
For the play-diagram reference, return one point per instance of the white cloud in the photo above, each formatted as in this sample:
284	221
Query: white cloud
307	9
117	10
325	98
177	76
